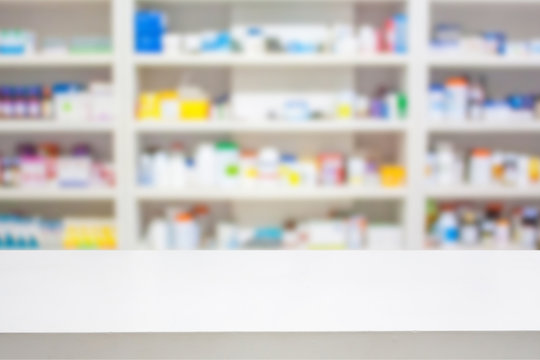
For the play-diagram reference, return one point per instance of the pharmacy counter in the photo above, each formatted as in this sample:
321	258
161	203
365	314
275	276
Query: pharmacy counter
159	299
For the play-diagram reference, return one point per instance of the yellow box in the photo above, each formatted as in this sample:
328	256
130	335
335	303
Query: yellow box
195	110
149	107
393	176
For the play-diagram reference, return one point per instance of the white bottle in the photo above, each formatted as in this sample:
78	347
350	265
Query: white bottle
228	164
480	167
205	160
456	99
268	166
160	169
446	167
177	167
367	39
448	228
356	170
146	176
158	235
186	232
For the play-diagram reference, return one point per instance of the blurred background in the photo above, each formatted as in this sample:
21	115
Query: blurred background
259	124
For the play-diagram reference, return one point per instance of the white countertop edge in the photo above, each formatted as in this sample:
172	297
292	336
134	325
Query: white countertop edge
275	291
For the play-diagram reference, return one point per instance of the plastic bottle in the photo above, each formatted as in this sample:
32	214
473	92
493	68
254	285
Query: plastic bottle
46	103
493	214
158	235
3	102
446	171
146	174
448	227
356	170
34	102
476	97
160	169
437	102
502	234
367	39
186	232
248	168
456	98
529	233
469	230
268	166
228	164
205	160
177	166
309	171
480	167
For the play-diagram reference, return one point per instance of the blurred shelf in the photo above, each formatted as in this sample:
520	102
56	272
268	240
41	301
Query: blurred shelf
271	194
484	62
56	194
474	127
483	192
39	61
327	126
51	127
270	60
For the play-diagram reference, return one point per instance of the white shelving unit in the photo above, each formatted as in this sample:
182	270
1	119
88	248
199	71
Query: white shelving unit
131	73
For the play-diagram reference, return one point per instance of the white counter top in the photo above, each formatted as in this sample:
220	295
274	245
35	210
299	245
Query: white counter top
185	292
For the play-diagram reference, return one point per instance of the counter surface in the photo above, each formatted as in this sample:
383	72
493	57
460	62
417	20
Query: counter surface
275	291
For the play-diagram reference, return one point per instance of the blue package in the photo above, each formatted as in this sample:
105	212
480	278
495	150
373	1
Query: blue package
150	27
402	33
222	42
300	47
498	39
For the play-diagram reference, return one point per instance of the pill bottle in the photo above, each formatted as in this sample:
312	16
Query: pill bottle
169	105
332	169
186	232
446	168
268	166
367	39
469	229
46	103
529	231
177	170
228	164
248	168
456	98
205	160
534	169
437	102
356	170
309	171
480	167
448	226
502	234
4	98
492	215
476	98
290	172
